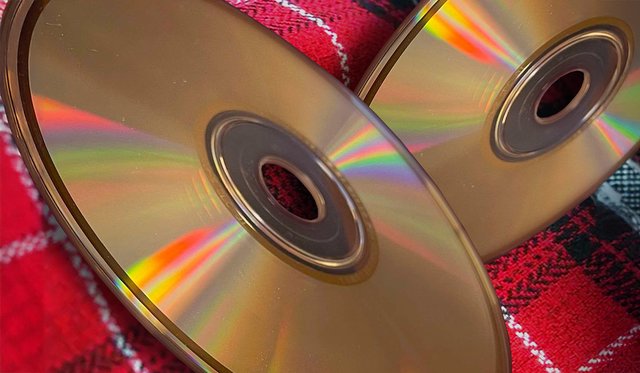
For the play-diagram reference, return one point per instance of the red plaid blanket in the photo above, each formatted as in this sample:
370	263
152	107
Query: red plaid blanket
570	295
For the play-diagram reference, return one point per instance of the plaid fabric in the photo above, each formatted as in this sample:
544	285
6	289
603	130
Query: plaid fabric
570	295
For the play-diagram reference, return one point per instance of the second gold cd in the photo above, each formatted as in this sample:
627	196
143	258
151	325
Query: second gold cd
517	109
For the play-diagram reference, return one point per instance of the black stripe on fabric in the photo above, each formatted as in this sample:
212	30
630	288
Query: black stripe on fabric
391	11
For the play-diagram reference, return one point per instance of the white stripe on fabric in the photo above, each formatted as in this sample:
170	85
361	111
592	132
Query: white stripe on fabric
28	244
607	353
16	161
528	343
344	66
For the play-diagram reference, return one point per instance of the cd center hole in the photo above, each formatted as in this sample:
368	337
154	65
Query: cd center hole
560	95
289	191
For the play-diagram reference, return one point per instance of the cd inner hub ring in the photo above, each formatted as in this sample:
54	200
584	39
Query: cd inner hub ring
595	58
240	145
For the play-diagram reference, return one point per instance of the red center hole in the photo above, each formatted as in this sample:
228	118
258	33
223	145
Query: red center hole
289	191
560	94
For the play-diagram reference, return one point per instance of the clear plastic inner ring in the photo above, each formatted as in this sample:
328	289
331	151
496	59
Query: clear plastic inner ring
240	145
562	89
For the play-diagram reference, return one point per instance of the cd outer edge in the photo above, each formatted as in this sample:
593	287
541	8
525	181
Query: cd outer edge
45	184
383	62
21	121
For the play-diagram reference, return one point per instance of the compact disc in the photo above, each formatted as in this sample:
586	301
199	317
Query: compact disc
149	126
517	110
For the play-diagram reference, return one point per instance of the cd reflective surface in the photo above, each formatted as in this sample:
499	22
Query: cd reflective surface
129	116
459	85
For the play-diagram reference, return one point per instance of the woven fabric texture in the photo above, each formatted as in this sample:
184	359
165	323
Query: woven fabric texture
570	295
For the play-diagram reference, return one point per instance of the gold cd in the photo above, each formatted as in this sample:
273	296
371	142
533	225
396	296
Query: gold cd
518	110
147	126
